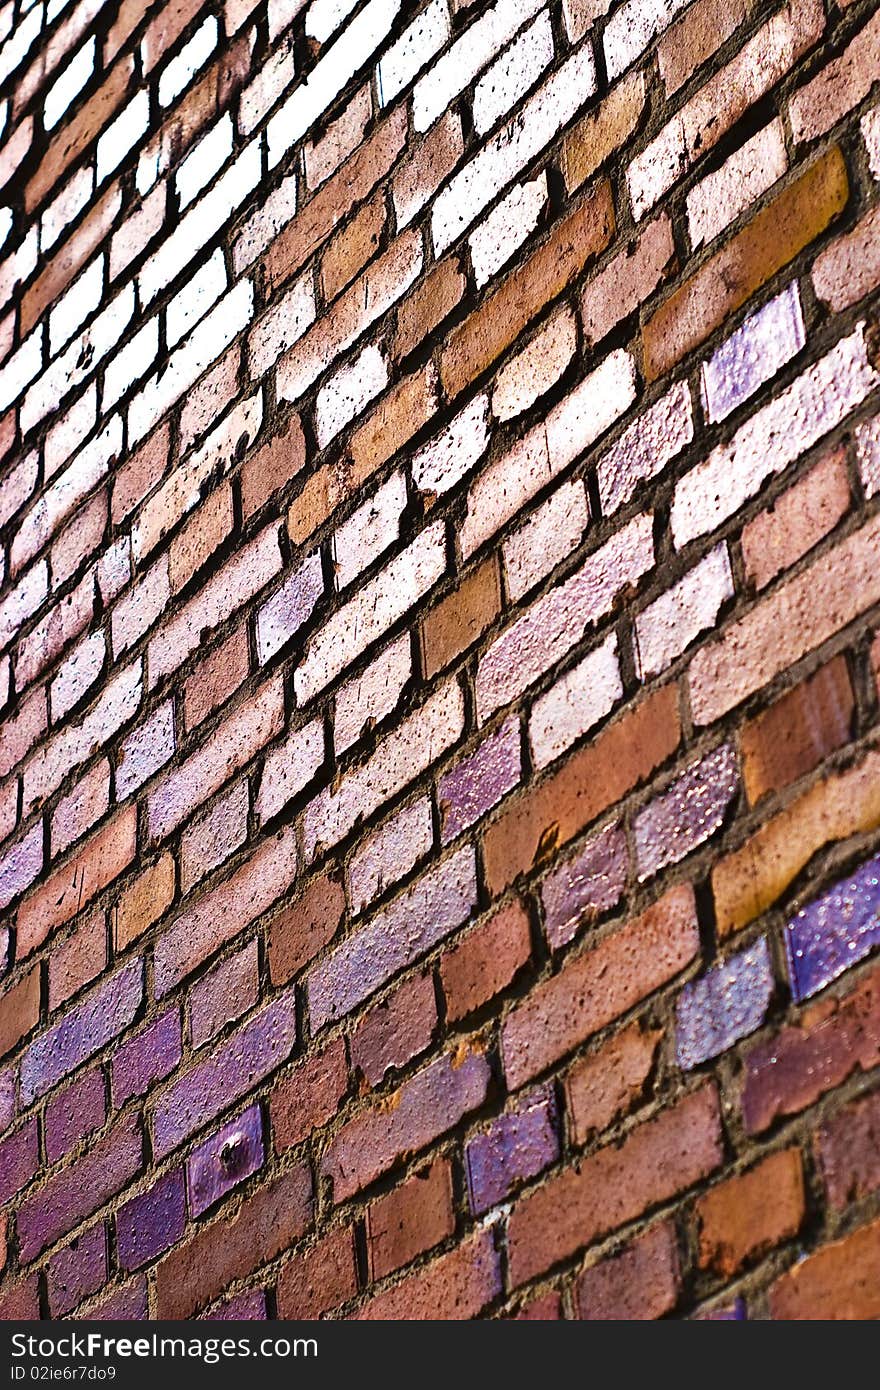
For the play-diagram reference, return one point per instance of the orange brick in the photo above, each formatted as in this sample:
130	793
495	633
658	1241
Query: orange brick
19	1009
486	960
70	258
797	520
350	249
144	902
201	537
748	1215
601	133
608	1083
461	617
841	1281
272	466
216	678
78	132
798	731
428	305
78	959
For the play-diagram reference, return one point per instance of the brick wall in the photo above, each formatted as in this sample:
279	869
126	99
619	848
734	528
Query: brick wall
439	729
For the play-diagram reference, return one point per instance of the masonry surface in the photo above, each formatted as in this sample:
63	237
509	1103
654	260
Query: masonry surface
439	729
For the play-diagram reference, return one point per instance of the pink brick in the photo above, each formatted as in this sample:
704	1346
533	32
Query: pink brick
342	137
395	1030
839	86
223	995
288	768
667	626
212	837
797	520
77	812
849	268
385	856
535	369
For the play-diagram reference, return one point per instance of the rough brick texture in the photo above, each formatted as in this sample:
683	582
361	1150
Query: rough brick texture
439	659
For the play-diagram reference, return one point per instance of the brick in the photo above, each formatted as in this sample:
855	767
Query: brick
80	1270
395	1030
20	1152
748	881
148	1224
537	368
223	994
600	985
724	1005
77	882
626	281
849	268
656	1161
341	138
839	87
847	1151
20	1010
578	701
513	74
551	813
409	1220
833	931
143	902
472	347
585	885
695	37
868	445
421	173
640	1283
451	73
788	223
672	622
496	240
351	249
309	1095
127	1302
272	466
599	134
212	837
545	1307
610	1082
318	1279
78	960
455	1286
517	1145
827	1043
798	731
721	196
363	701
76	1192
461	617
348	391
797	521
69	259
147	1057
216	678
81	1032
688	813
479	781
745	1216
791	621
837	1282
21	864
268	1221
74	1113
79	132
299	932
552	531
224	1160
425	309
390	852
22	729
768	338
283	325
20	1301
427	1105
137	231
485	961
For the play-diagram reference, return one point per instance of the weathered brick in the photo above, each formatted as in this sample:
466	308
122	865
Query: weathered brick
584	885
297	933
461	617
611	1081
309	1095
833	931
143	902
689	812
151	1222
724	1005
78	960
223	995
798	731
848	1153
395	1030
410	1219
641	1282
801	517
517	1146
840	85
217	677
80	1270
74	1113
146	1057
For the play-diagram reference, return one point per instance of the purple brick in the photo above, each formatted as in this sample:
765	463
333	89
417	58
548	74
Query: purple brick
769	338
83	1031
731	1312
19	1160
80	1270
75	1192
223	994
478	782
724	1005
437	903
249	1306
152	1221
21	864
834	931
645	448
213	1085
226	1159
74	1113
7	1097
693	808
145	750
148	1057
288	608
516	1146
127	1303
582	887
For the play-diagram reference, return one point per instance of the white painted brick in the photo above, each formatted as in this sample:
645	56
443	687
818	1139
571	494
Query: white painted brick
871	137
372	611
475	48
148	167
514	146
773	438
576	703
264	224
22	367
273	76
347	391
446	458
5	224
282	13
75	306
769	337
19	264
570	428
283	614
550	533
537	367
131	363
632	27
508	79
19	42
645	447
195	299
673	621
63	209
369	697
208	340
123	134
868	448
207	159
58	502
330	75
417	45
324	17
201	223
387	855
75	73
507	227
79	360
722	195
67	433
369	531
282	326
288	768
77	674
190	60
399	758
21	602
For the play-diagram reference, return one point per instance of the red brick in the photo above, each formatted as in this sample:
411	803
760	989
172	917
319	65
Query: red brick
849	268
19	1009
546	1307
848	1151
610	1082
485	961
639	1284
233	1247
456	622
129	16
216	678
839	86
20	1301
426	167
841	1281
165	28
656	1161
78	132
830	1041
394	1031
69	259
309	1095
789	222
22	729
536	822
72	887
138	475
231	989
798	519
455	1286
745	1216
798	731
341	138
428	305
272	466
316	1281
412	1218
353	247
78	960
204	533
298	933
